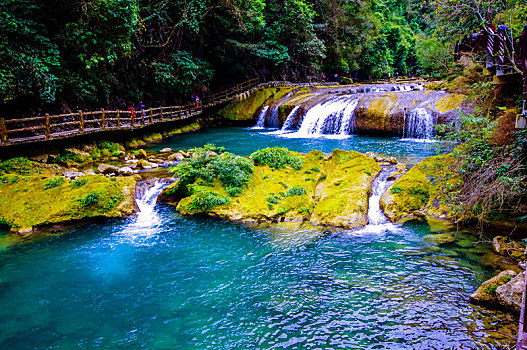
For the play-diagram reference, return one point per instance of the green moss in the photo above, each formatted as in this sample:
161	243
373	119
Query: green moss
28	204
296	191
20	165
90	199
79	182
427	187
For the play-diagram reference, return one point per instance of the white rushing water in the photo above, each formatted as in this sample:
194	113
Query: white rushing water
261	118
146	202
290	119
332	117
421	124
380	184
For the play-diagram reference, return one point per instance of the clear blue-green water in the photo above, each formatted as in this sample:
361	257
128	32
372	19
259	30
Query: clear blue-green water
165	281
244	141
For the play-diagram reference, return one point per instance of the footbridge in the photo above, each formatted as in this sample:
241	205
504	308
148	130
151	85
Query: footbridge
52	127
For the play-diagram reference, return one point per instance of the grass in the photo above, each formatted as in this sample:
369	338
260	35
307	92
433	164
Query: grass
54	182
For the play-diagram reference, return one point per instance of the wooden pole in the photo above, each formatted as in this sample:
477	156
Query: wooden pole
103	119
151	116
47	129
171	113
3	131
118	119
81	122
161	113
142	116
132	117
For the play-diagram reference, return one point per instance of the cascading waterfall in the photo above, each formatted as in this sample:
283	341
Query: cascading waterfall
290	119
421	124
379	186
261	118
335	116
146	200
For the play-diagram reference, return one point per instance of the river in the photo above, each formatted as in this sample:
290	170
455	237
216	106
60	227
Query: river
164	281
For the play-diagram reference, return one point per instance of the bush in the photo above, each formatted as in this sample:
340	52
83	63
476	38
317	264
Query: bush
90	199
234	191
205	200
304	210
20	165
296	191
278	158
274	199
79	183
395	190
54	182
110	146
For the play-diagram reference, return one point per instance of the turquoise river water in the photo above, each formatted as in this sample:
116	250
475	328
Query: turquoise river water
164	281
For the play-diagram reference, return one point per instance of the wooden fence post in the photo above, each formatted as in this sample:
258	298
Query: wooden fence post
103	119
81	122
118	119
132	118
151	116
3	131
142	116
171	113
47	126
161	113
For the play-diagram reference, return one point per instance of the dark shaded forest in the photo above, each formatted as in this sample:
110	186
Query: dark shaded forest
66	55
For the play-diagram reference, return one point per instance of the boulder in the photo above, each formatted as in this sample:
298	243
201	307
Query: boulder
393	176
146	165
41	158
510	294
370	154
178	157
184	153
166	150
141	153
504	247
400	167
487	293
126	171
392	160
107	169
89	172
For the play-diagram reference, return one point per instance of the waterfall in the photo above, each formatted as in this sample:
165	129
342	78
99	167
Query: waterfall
274	120
261	118
147	198
335	116
421	124
379	186
290	119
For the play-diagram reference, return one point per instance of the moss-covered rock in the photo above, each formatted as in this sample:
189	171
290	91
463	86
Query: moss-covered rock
486	294
246	110
425	190
27	202
450	102
332	191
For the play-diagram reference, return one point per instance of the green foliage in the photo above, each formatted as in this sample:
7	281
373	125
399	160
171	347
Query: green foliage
315	169
296	191
492	290
278	158
270	206
79	182
69	156
234	191
304	209
54	182
110	146
395	190
20	165
90	199
434	55
205	200
274	199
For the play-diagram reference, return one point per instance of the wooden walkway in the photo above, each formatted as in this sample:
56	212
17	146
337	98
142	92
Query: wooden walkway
52	127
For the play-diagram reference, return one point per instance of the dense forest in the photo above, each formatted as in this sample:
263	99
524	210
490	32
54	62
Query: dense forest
64	55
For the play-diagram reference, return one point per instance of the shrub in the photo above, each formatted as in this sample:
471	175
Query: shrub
278	158
90	199
110	146
69	156
395	190
54	182
270	206
206	200
20	165
273	199
282	211
79	183
234	191
283	184
296	191
315	169
304	209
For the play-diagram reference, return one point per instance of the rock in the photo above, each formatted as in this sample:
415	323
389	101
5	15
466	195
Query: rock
392	160
178	157
24	231
400	167
41	158
126	171
184	154
487	292
510	294
166	150
502	246
82	156
393	176
107	169
379	159
440	238
141	153
114	159
498	262
146	165
370	154
89	172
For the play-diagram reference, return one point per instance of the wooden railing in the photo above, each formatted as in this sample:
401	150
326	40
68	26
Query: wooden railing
48	127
